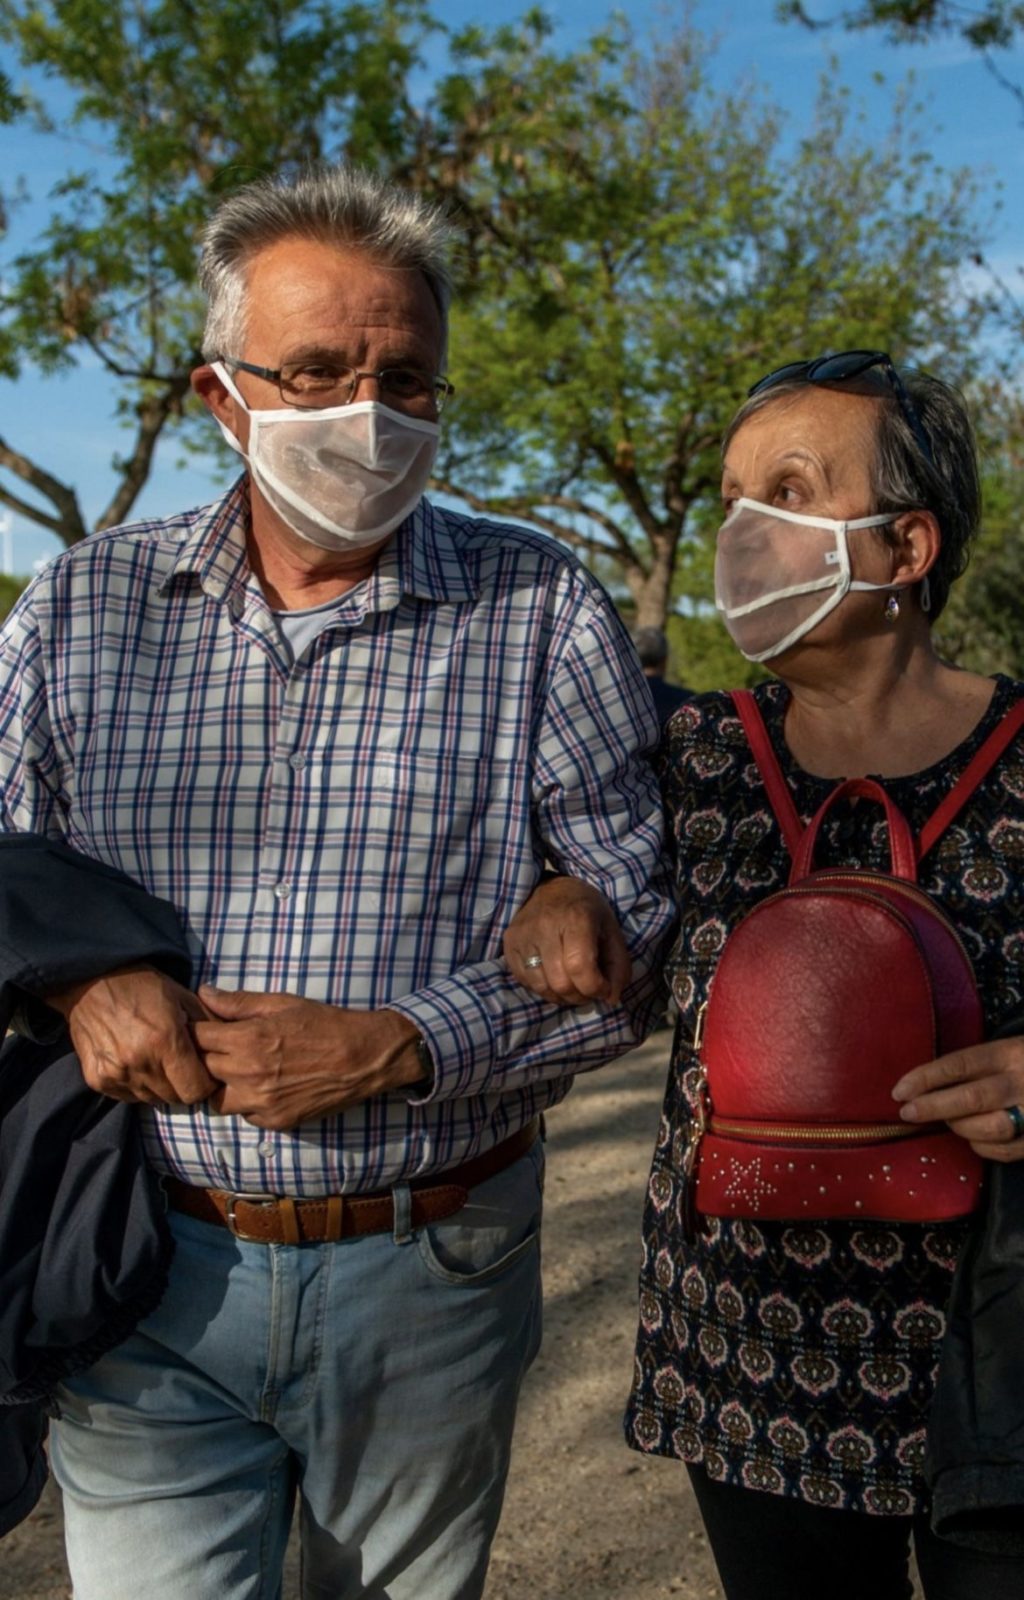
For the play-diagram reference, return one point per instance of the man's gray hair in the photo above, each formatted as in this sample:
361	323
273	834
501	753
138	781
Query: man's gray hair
345	206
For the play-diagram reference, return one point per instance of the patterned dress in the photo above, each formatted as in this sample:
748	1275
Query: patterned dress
800	1359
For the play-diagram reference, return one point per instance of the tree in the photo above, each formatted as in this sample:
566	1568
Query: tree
990	26
635	249
186	99
654	248
982	627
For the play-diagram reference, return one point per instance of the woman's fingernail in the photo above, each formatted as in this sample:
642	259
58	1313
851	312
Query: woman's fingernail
909	1112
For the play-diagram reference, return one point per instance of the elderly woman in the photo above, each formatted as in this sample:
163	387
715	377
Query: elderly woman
790	1365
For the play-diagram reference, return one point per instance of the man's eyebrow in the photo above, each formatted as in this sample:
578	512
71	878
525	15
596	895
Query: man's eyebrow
317	352
330	355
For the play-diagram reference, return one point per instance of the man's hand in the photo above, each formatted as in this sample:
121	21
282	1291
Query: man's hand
971	1090
576	934
284	1060
130	1030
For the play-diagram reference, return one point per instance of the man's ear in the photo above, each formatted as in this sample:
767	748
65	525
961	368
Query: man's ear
211	391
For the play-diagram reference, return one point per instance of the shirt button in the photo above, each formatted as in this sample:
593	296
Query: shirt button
297	762
282	890
266	1149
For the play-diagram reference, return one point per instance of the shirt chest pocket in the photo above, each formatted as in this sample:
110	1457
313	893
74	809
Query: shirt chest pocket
455	828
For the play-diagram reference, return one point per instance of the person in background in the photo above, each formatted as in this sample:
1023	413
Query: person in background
652	648
791	1365
340	730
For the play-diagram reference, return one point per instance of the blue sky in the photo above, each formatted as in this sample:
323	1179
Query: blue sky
67	423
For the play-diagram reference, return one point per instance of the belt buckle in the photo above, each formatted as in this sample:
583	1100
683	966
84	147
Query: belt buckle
252	1200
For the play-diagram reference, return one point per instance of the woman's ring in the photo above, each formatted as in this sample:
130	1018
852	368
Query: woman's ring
1016	1116
538	961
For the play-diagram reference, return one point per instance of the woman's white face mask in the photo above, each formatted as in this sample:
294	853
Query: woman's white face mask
778	574
343	478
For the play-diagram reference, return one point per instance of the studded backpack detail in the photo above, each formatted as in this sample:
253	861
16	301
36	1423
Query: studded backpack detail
825	994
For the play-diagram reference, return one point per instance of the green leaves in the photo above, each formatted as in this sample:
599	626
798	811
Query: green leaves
176	103
642	249
635	248
991	25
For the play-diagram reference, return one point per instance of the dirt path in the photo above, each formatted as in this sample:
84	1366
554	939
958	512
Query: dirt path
584	1516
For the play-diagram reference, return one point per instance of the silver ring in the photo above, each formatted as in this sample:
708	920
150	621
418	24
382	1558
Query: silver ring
538	961
1016	1116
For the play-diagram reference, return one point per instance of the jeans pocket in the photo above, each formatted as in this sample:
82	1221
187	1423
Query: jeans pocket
497	1227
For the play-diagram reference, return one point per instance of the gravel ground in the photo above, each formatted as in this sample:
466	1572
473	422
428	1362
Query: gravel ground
584	1517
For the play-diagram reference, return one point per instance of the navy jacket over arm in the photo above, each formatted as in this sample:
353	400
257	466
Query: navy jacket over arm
84	1246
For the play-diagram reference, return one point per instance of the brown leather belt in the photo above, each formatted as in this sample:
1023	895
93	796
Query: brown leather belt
270	1219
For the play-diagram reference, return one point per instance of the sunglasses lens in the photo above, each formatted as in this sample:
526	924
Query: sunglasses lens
847	365
850	364
792	369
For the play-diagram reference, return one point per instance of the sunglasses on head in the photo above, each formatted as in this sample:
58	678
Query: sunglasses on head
850	364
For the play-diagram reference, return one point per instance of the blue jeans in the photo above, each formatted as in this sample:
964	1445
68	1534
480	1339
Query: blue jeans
377	1378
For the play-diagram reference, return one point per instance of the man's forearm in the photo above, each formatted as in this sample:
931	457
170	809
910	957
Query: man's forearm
486	1032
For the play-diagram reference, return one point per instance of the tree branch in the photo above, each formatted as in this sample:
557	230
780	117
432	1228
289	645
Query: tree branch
24	509
629	486
526	509
154	411
144	374
68	523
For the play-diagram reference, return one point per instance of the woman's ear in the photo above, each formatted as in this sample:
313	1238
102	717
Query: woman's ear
915	542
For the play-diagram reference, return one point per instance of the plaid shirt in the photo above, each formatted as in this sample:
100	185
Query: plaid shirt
359	825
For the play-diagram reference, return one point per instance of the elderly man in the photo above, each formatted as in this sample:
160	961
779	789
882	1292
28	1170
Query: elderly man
340	730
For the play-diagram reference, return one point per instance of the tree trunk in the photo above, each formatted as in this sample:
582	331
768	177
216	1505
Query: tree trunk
652	591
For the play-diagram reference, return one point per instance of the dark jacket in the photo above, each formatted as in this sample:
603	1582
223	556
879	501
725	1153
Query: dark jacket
667	697
975	1464
84	1245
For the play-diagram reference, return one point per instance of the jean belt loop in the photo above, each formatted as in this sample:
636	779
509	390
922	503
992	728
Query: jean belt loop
401	1200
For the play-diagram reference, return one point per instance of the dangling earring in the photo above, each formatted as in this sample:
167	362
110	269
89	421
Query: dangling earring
926	593
891	610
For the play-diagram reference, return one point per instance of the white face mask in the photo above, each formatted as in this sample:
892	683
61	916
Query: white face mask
344	477
773	584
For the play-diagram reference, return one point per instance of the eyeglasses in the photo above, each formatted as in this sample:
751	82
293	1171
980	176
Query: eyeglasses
318	384
850	364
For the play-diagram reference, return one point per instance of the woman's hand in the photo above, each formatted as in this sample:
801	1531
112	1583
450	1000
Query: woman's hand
973	1090
572	928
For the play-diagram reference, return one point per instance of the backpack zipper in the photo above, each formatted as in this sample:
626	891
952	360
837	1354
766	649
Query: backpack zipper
813	1133
901	886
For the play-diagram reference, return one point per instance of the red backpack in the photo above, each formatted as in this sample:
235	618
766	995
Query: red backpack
825	994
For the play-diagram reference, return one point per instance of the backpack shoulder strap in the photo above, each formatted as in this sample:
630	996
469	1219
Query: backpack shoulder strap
976	770
768	765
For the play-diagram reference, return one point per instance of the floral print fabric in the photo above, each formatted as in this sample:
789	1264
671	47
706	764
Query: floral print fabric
800	1358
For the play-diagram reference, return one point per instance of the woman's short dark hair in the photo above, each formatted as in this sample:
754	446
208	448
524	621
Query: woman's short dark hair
902	478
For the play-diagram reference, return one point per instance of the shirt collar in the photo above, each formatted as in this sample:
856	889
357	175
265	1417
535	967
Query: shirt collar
429	562
214	552
422	559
